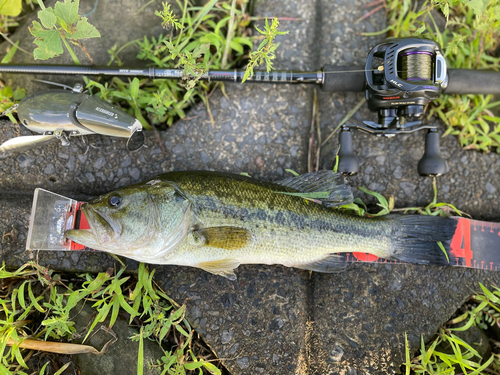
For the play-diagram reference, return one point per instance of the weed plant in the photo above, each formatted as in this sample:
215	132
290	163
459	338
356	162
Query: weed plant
39	306
482	311
470	39
215	36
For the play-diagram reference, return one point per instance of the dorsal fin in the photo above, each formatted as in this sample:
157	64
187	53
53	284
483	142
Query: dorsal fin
328	187
229	238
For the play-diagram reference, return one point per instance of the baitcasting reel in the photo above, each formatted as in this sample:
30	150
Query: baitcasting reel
402	76
60	114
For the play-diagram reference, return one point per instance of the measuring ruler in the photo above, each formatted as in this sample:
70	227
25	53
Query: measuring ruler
475	244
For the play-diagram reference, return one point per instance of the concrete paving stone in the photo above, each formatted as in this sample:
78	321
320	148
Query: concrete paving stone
273	319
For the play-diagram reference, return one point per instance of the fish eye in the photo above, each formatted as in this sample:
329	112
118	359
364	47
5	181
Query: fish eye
114	201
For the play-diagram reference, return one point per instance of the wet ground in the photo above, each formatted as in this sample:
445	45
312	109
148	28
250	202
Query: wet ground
275	320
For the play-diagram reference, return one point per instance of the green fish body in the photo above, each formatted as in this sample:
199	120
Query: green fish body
217	221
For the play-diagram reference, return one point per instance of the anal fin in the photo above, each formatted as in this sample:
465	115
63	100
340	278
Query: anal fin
223	267
330	264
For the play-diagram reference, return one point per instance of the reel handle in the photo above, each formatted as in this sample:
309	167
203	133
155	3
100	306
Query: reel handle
432	163
348	163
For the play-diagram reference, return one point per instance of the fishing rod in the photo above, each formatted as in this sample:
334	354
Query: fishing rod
400	77
331	77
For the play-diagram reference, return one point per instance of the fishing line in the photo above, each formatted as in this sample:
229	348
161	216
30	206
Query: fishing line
92	11
417	66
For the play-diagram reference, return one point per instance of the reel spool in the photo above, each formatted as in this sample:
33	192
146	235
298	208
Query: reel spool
402	76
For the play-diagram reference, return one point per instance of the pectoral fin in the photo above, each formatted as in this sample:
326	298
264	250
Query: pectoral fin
229	238
224	267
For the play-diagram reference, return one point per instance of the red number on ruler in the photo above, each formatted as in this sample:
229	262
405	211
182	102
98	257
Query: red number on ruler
462	236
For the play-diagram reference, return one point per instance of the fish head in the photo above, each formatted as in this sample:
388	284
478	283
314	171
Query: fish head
137	220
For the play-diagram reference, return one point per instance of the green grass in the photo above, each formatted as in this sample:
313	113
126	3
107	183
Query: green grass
470	40
215	36
447	353
41	305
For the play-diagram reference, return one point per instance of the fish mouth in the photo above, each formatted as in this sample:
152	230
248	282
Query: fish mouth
101	225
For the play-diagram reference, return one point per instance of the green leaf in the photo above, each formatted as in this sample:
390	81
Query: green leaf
407	363
214	370
292	172
19	94
85	30
11	7
18	355
443	250
476	5
126	306
140	354
445	8
20	295
134	88
48	42
262	44
245	41
236	46
193	365
354	207
178	313
42	371
164	329
34	300
6	59
312	195
181	330
48	18
7	92
67	11
210	38
61	370
97	282
486	292
420	30
114	312
381	199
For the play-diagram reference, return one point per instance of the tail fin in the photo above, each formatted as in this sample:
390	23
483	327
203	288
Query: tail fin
416	239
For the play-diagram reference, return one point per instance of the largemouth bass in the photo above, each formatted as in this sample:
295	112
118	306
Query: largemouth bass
217	221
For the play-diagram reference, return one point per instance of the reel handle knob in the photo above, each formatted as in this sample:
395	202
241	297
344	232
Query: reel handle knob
432	163
348	164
